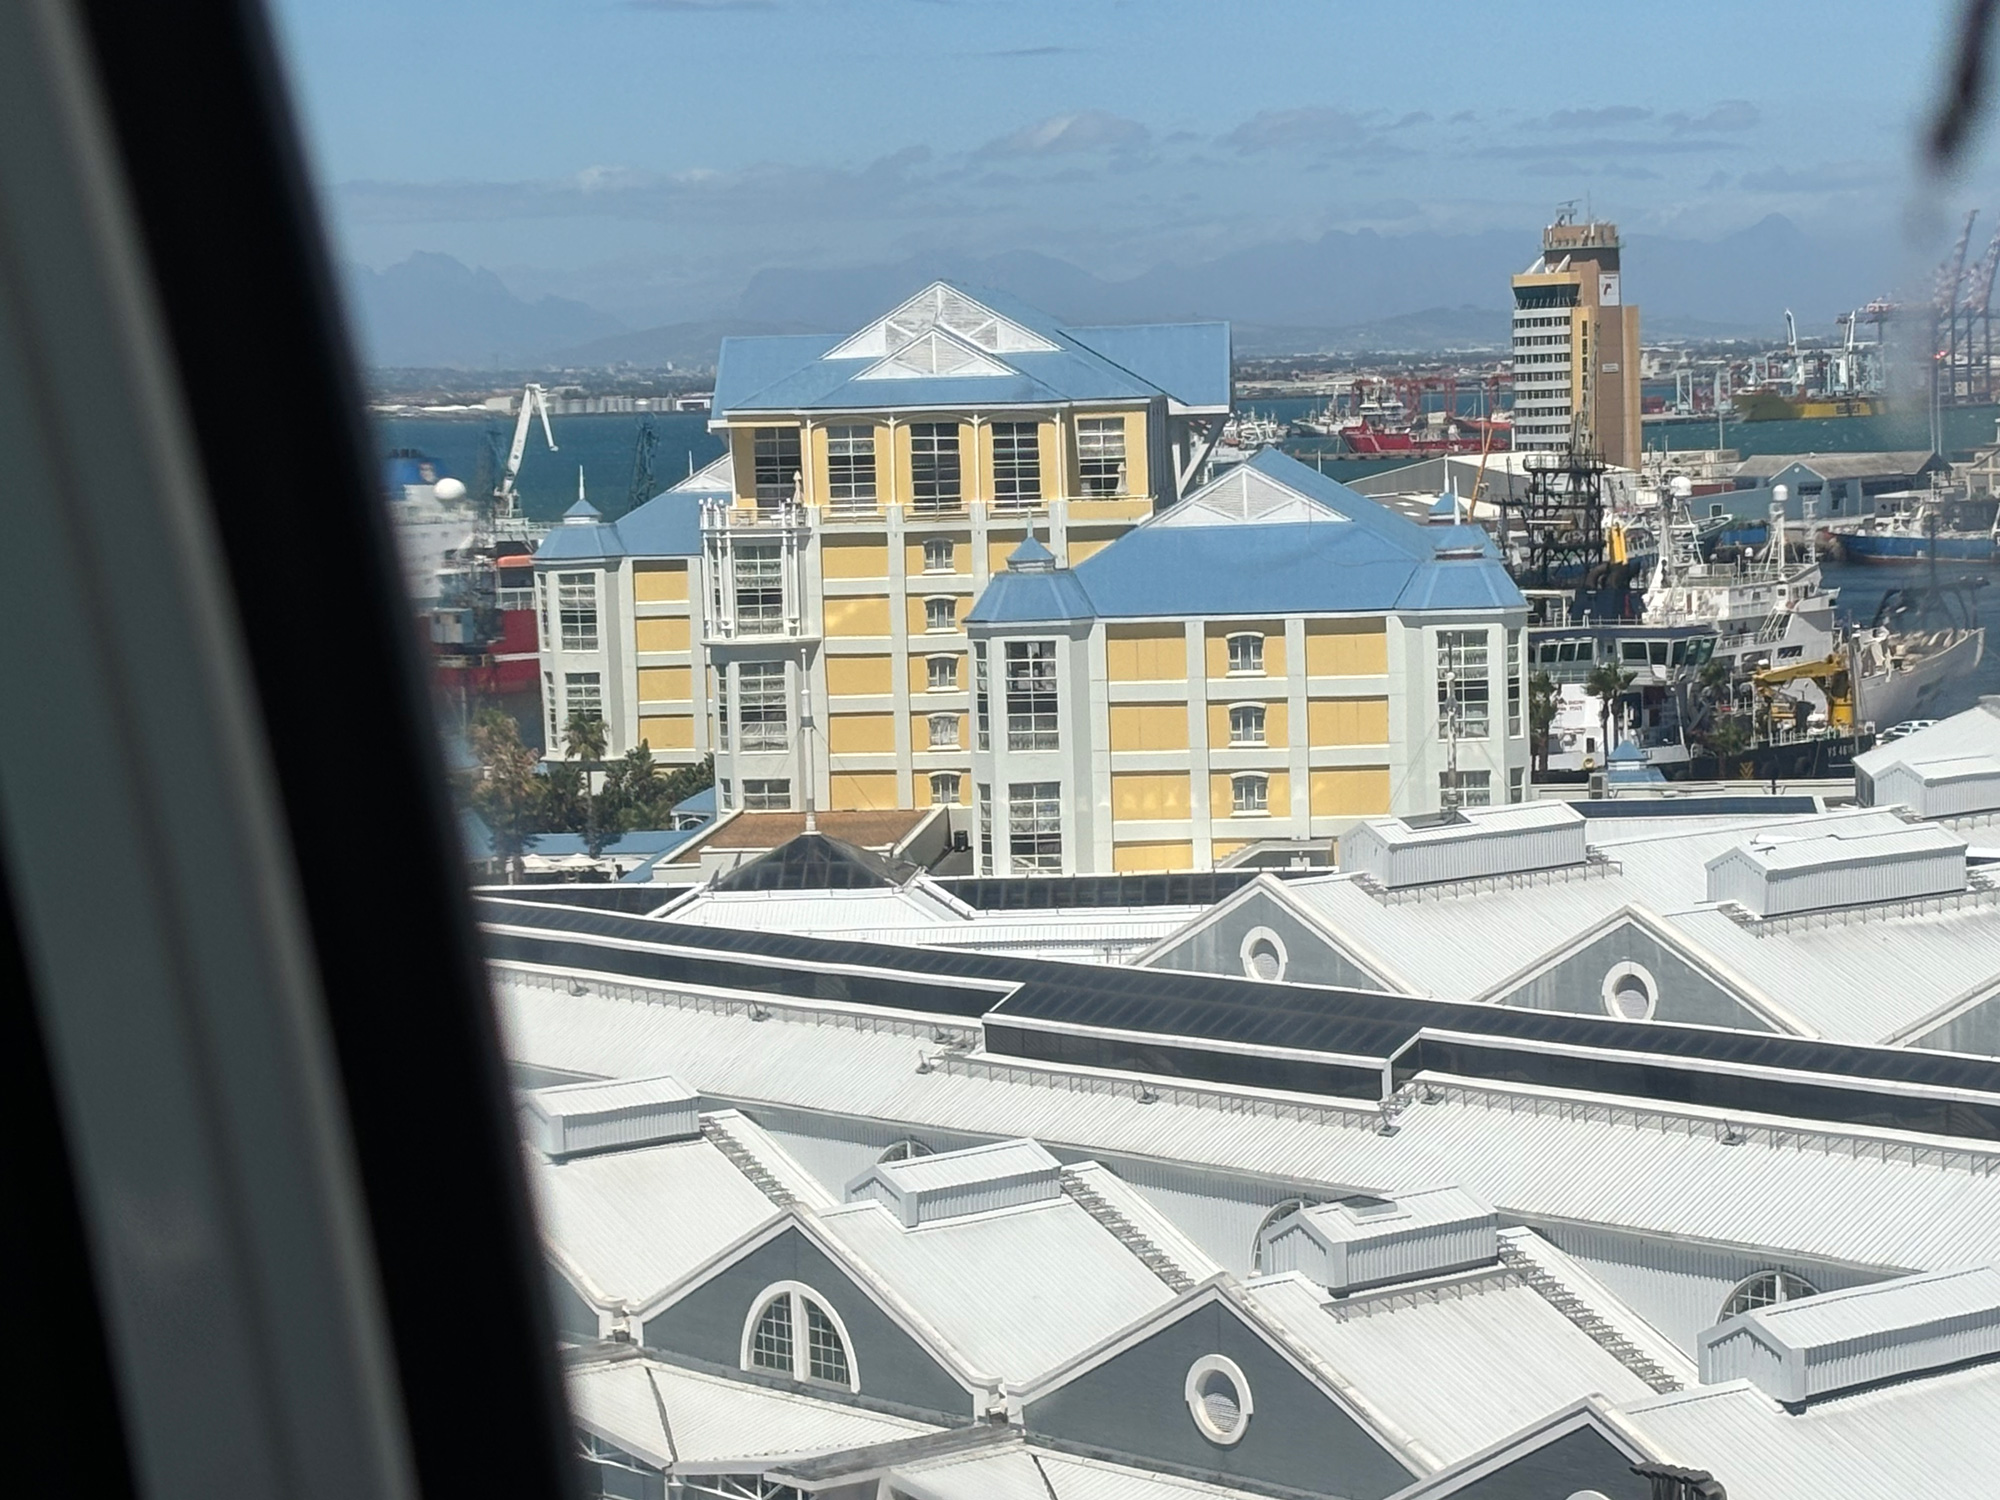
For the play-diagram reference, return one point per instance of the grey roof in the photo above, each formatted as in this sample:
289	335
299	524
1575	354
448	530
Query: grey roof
1883	1307
668	525
1976	731
1878	465
1349	555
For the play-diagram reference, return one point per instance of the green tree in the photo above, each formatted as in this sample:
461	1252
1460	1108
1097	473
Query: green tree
1543	699
507	793
1608	683
584	741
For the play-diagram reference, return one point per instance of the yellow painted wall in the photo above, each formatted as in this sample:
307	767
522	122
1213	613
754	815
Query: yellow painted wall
961	558
1275	722
1346	648
840	557
1274	647
1137	796
856	676
1221	849
1277	799
1149	726
668	732
861	734
920	790
1350	791
1147	857
861	791
1145	653
1347	721
660	583
920	732
665	633
863	616
664	685
743	464
960	608
920	673
998	551
1083	547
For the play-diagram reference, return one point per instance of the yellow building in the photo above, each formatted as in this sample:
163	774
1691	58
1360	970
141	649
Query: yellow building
799	608
1576	348
1266	664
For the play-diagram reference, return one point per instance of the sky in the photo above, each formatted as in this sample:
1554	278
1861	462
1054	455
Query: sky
647	156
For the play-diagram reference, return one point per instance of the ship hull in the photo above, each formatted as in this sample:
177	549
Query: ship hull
1908	689
1769	406
1879	547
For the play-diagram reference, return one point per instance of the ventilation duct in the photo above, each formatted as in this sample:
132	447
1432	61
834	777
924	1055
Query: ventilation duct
1816	1346
950	1184
619	1113
1356	1243
1398	852
1773	877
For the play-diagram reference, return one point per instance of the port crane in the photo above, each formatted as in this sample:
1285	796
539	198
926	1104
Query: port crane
506	502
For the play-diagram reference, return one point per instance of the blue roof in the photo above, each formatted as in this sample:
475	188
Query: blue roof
1188	362
647	841
702	801
1369	560
668	525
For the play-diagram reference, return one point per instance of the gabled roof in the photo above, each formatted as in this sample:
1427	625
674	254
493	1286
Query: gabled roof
952	346
668	525
814	862
1765	466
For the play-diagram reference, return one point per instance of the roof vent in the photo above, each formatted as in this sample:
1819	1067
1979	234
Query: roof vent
618	1113
1816	1346
950	1184
1945	788
1400	852
1359	1242
1775	876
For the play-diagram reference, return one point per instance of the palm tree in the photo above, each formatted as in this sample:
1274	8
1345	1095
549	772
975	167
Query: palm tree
1608	683
1542	700
584	741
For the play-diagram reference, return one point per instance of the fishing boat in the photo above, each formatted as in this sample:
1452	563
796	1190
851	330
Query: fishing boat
1921	526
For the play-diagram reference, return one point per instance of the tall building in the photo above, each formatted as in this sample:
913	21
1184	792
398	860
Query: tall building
1576	347
1274	659
798	609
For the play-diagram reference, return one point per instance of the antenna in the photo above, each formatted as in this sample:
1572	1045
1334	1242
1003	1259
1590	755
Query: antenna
805	741
1449	801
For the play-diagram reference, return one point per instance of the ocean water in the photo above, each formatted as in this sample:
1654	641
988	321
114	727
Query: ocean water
603	446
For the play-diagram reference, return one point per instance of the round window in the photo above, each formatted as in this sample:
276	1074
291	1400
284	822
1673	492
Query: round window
1630	992
1767	1289
1263	954
1218	1398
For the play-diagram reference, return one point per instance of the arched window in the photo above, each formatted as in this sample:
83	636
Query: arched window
1767	1289
791	1331
1246	724
1218	1398
907	1149
1289	1206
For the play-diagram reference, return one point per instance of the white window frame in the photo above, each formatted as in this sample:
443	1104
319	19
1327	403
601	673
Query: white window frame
1467	653
1198	1372
757	586
1615	977
982	815
576	611
850	467
933	625
573	697
940	554
763	796
942	778
1032	695
934	446
1246	953
982	699
1242	782
775	482
756	694
941	674
1248	645
1469	780
1246	724
1028	813
947	725
1017	465
1100	456
800	1294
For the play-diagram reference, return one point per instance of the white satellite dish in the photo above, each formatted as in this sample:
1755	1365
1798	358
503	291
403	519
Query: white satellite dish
449	489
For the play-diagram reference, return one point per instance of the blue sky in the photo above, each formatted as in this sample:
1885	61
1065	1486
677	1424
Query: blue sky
647	156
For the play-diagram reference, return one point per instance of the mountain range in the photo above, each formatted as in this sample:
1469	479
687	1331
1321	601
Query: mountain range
1342	292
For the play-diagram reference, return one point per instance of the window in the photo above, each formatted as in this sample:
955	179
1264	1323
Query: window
767	796
1246	724
1100	455
1017	465
1515	777
944	789
1263	954
850	468
1767	1289
723	798
760	588
941	674
1031	696
792	1332
982	707
1034	826
1630	992
907	1149
940	614
549	706
982	814
775	453
1246	655
944	731
576	609
939	554
1514	684
1462	684
1249	796
1475	788
934	471
583	693
722	708
1218	1398
763	721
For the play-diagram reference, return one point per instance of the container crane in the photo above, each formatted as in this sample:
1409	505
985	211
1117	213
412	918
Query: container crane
506	502
1977	305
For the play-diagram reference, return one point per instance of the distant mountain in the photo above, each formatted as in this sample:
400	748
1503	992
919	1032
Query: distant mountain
685	346
1432	330
432	310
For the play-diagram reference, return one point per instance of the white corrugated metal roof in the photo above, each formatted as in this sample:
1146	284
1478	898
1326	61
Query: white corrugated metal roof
1875	1198
608	1094
947	1169
714	1418
1938	1436
819	911
1423	1206
1016	1291
1138	1211
1883	1306
1459	1363
1974	732
1484	820
1955	768
1778	850
1011	1474
620	1221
